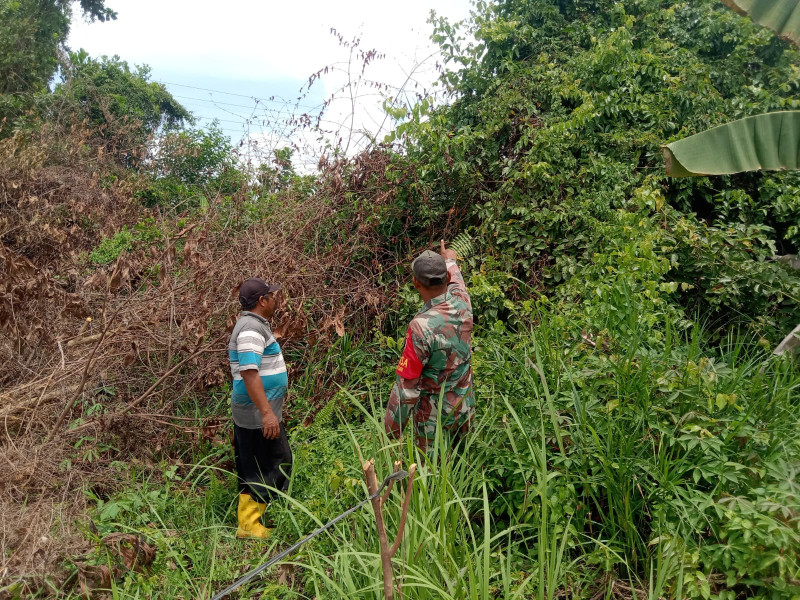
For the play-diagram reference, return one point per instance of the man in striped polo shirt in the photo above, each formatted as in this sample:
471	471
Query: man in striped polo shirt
261	448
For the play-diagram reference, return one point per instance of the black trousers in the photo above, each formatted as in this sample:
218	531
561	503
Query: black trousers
261	464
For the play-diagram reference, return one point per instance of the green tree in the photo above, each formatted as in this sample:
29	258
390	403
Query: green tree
560	110
32	36
194	156
192	165
279	174
119	102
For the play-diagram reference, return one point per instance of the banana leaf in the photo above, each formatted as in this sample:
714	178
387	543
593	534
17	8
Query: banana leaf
782	16
769	142
790	343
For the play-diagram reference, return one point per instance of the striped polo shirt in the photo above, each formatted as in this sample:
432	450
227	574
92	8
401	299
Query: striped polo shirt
253	346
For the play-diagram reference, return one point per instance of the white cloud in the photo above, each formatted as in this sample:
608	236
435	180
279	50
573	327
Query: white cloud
259	48
256	39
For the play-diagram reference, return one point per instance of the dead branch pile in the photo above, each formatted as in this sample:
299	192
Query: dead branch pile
85	349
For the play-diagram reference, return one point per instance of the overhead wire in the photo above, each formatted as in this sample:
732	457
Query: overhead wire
276	117
212	101
276	99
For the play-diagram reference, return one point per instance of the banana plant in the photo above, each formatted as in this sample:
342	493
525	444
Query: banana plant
768	142
782	16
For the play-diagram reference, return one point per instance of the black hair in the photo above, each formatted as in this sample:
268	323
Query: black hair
248	306
433	283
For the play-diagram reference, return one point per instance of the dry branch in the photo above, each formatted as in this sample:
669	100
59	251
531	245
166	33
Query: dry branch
84	340
386	551
84	376
168	305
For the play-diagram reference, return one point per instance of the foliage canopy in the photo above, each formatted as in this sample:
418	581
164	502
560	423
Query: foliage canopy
559	112
32	38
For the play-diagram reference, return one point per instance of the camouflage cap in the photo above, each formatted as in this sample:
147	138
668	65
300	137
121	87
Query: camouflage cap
430	268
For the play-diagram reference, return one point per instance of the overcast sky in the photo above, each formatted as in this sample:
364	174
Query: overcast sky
245	51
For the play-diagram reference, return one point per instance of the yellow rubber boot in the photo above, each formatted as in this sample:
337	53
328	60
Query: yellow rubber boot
249	514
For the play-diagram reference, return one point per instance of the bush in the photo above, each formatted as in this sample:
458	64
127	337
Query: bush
560	110
191	167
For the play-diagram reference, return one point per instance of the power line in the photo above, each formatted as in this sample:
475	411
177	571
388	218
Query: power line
214	101
267	110
242	122
258	120
271	99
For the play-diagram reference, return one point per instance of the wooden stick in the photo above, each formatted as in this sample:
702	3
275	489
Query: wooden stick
377	505
22	404
412	470
84	340
397	465
386	560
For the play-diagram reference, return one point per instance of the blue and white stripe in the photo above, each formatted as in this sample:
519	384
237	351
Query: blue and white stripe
253	349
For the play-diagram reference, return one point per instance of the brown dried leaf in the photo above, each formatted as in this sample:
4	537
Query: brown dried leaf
189	248
372	299
132	354
163	274
280	331
286	575
135	552
214	378
92	577
337	323
116	279
326	324
97	281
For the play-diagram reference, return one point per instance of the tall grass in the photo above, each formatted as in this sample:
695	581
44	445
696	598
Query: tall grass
664	469
453	547
651	445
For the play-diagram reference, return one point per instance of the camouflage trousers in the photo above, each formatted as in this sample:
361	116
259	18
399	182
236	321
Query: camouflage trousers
456	414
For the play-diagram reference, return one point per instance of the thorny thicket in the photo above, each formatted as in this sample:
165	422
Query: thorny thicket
99	356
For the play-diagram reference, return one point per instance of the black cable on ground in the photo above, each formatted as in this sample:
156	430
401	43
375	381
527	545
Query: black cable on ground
247	577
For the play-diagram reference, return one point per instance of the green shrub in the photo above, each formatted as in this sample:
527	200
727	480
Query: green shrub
110	248
192	167
560	110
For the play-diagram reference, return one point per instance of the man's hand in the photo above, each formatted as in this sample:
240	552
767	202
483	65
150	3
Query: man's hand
447	254
271	425
269	422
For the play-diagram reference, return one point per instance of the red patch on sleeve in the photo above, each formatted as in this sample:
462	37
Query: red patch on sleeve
410	367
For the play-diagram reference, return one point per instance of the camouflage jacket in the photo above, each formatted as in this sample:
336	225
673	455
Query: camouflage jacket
437	353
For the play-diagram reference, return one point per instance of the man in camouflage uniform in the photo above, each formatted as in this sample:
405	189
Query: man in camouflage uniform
436	353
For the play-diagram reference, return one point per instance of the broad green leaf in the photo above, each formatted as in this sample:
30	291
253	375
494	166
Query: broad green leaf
782	16
790	343
767	142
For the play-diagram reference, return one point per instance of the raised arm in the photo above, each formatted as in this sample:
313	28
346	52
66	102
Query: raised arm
456	284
